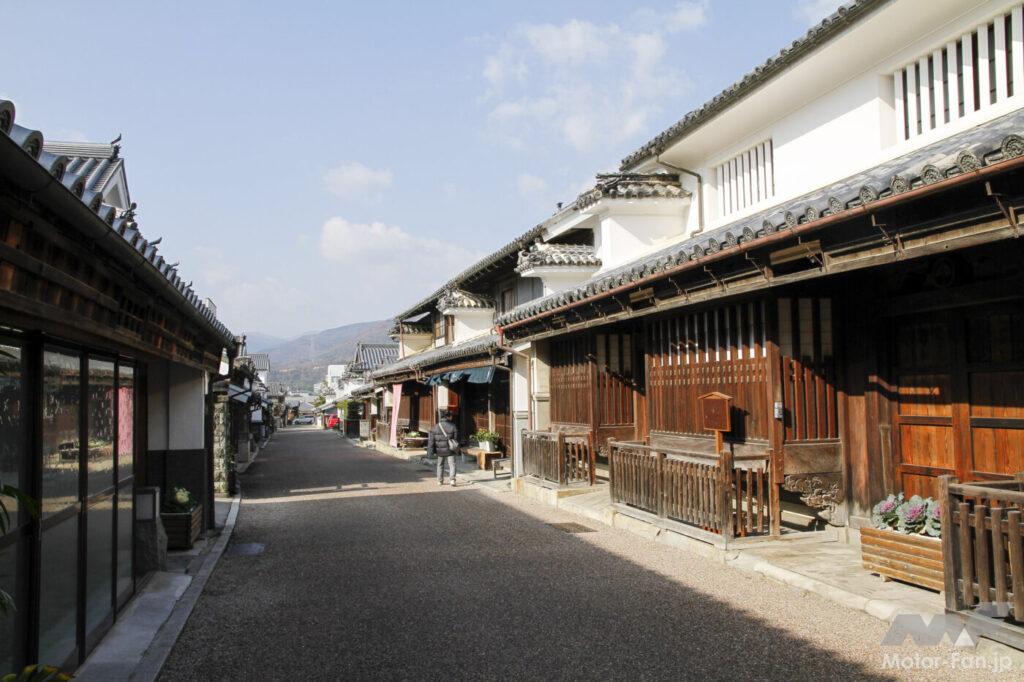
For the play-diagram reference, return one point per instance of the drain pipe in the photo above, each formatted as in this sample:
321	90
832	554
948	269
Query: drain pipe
700	190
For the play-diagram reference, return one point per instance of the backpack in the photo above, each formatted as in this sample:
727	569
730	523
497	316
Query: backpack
453	445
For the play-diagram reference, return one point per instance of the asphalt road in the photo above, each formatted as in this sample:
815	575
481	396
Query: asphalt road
370	570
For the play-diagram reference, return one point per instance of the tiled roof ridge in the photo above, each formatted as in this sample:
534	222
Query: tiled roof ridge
984	145
474	346
548	255
120	221
460	298
821	33
659	185
400	328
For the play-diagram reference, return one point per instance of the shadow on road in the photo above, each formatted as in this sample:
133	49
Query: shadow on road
456	585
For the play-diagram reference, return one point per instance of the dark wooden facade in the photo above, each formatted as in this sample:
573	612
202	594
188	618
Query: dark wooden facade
87	313
887	352
597	382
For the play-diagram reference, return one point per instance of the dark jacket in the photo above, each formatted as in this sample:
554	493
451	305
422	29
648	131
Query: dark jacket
437	442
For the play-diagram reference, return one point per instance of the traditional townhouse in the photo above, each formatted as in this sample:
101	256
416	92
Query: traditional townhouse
106	360
831	243
449	356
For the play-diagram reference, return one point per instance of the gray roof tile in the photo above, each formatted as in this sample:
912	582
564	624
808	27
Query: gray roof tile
982	145
96	164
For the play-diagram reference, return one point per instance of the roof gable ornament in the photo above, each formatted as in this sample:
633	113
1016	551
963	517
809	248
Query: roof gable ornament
461	299
557	255
631	186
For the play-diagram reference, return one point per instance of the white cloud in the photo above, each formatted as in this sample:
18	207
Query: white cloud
388	264
353	179
812	12
529	184
375	248
683	16
583	84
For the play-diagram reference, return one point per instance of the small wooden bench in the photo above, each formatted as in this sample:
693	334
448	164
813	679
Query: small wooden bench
483	458
503	463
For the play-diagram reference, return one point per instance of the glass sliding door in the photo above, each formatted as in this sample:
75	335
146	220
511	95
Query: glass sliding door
59	507
13	471
100	474
125	583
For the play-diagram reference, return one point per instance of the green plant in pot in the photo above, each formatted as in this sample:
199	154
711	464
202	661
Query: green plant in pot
182	516
487	440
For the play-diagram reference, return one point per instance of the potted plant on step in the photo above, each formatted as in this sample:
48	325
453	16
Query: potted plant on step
487	440
905	543
182	516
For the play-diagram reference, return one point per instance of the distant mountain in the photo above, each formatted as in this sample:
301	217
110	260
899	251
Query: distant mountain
302	362
255	342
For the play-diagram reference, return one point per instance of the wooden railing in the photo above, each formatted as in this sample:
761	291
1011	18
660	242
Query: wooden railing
559	457
983	552
724	495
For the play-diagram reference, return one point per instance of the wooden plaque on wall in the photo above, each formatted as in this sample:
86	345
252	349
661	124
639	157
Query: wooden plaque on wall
716	412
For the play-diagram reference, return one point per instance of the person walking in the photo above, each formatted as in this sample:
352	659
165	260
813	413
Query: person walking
443	443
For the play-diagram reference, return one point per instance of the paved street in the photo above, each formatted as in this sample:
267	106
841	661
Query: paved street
372	571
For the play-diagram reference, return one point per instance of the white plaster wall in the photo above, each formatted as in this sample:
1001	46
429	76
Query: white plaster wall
410	345
626	236
188	408
558	279
472	322
832	115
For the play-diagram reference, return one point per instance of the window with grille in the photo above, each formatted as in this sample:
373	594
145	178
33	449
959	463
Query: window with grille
971	73
746	179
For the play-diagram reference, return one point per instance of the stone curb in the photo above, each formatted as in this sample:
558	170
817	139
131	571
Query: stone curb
167	636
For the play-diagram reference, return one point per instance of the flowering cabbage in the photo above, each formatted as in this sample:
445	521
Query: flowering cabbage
884	514
916	516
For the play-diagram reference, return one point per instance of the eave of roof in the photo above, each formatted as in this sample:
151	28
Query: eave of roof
31	158
510	250
983	145
829	28
475	346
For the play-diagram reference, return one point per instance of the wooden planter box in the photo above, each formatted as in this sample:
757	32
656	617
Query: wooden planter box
914	559
183	529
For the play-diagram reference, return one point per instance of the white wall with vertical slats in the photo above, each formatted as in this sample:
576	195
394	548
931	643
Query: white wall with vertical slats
746	179
980	69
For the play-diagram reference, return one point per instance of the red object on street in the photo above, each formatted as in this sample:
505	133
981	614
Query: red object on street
332	421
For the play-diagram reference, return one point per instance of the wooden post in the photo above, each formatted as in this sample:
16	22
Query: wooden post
1013	528
592	457
725	494
560	454
950	551
659	482
777	427
611	469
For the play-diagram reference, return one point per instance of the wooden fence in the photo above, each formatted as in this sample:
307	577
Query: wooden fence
559	457
983	554
383	431
721	495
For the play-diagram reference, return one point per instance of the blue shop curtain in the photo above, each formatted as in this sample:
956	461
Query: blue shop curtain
477	375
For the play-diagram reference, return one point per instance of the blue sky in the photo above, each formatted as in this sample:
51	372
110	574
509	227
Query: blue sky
312	164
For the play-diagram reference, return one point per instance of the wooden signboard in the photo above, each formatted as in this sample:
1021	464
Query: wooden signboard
716	415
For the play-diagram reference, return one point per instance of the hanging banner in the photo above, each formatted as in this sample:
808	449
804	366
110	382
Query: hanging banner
396	402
